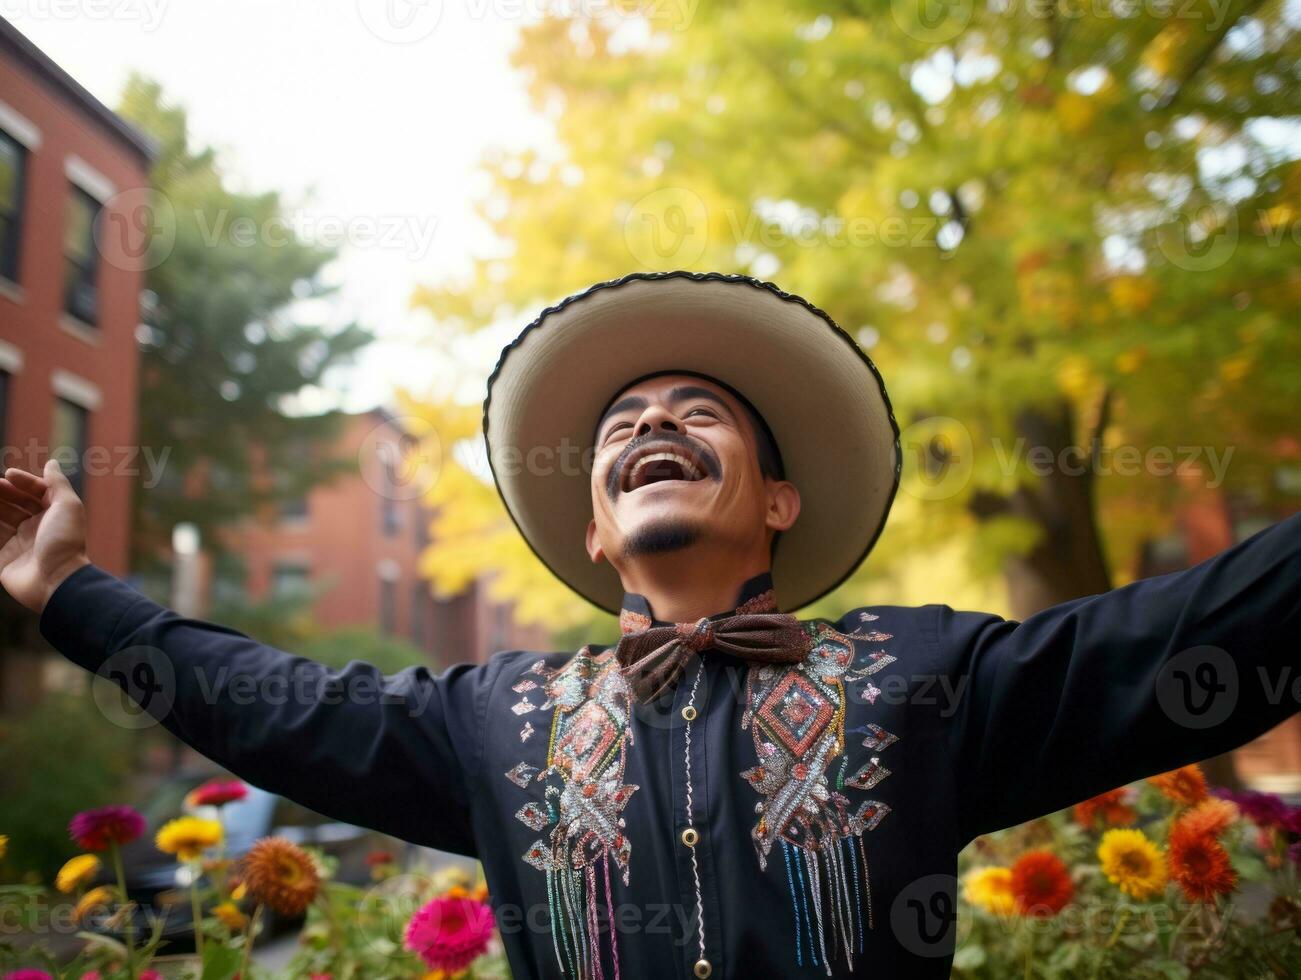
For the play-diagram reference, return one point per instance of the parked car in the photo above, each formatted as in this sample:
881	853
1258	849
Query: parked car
159	884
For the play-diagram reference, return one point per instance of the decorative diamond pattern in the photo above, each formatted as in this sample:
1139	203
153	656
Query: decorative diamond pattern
796	712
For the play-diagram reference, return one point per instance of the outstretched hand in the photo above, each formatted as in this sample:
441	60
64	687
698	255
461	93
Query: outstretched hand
42	533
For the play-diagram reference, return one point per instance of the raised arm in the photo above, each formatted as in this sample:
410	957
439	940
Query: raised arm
397	753
1093	693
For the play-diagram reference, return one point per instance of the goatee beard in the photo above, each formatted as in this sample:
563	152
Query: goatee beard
660	537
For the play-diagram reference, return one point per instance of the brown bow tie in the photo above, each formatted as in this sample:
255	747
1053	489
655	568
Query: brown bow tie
652	659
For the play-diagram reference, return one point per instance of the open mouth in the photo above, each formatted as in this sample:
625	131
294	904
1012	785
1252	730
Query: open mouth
660	467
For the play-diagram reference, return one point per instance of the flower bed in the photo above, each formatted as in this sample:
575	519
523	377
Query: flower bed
1164	879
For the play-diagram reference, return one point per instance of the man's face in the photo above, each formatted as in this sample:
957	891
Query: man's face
676	464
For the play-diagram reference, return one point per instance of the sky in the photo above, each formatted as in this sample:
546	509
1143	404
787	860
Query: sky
370	116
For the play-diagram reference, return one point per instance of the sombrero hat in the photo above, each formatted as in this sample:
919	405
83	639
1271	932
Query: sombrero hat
821	395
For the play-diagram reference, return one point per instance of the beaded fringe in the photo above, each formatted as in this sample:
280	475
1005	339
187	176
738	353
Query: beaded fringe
573	901
828	893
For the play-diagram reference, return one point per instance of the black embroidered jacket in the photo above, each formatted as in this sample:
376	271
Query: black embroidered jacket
800	820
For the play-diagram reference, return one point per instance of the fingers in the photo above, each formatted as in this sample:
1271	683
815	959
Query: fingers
16	505
29	482
58	483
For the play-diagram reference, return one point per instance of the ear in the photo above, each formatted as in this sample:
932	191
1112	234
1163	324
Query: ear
783	505
594	549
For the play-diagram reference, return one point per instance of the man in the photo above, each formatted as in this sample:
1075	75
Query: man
729	791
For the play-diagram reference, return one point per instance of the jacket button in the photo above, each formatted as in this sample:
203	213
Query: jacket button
689	837
689	713
703	969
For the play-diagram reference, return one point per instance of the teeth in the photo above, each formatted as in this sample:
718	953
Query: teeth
688	467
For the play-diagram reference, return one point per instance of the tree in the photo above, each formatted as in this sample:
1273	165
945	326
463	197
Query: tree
1072	226
222	352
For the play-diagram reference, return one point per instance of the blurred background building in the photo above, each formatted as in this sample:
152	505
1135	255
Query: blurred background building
68	319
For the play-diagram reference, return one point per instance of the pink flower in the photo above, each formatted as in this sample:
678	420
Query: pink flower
217	792
150	975
450	933
91	975
95	830
28	975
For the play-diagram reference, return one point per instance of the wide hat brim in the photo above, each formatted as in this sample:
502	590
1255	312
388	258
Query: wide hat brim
821	395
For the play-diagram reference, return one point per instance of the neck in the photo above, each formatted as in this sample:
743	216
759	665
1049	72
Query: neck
686	585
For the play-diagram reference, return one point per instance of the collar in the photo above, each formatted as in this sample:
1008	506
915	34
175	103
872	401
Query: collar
755	595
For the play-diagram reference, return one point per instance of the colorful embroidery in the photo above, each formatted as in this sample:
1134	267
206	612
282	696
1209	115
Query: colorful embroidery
797	717
582	802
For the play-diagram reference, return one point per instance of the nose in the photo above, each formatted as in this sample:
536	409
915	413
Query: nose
656	418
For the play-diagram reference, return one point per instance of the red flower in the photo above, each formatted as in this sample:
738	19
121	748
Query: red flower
450	933
1109	809
1209	818
1199	864
1185	786
95	830
379	857
1041	884
217	792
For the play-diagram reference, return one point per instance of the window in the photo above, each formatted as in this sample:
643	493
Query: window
4	415
13	165
419	600
81	258
68	440
294	509
388	505
388	613
290	580
229	578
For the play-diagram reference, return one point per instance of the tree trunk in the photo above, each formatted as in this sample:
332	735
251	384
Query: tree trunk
1067	562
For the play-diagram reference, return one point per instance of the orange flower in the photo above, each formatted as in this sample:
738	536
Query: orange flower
1209	818
1185	786
281	875
1041	884
1107	808
1199	864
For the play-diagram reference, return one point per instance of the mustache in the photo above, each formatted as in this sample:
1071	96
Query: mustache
696	449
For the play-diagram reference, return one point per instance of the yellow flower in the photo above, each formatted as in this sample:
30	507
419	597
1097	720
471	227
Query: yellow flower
450	877
4	845
239	891
77	872
1132	863
188	837
230	915
96	898
990	889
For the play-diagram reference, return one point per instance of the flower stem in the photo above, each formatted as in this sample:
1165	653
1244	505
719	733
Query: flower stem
248	941
130	926
196	912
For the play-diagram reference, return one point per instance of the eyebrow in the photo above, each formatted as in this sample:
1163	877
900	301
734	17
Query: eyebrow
679	394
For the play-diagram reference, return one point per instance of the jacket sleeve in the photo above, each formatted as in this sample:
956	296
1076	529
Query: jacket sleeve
397	753
1103	690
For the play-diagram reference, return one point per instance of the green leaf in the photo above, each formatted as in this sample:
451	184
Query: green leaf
219	962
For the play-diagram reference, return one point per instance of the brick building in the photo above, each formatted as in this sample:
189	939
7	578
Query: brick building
69	309
358	540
